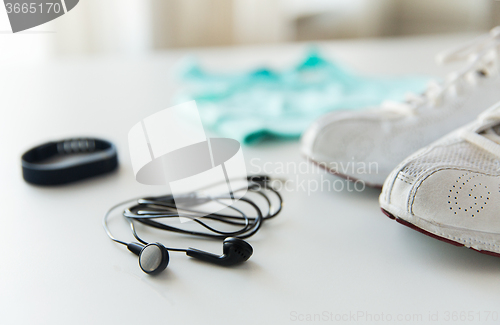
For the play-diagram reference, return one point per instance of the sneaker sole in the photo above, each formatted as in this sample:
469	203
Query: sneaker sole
346	177
425	232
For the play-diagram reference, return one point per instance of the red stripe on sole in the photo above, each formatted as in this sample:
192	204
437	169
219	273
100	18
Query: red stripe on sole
425	232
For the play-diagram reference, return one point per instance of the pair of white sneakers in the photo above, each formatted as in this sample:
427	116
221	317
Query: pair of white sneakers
448	189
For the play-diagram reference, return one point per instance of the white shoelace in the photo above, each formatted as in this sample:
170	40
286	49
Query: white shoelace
489	140
482	54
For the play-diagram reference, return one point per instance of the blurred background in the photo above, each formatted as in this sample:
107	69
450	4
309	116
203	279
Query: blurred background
135	27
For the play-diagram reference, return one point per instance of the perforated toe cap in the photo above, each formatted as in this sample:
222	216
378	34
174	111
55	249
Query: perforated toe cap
460	199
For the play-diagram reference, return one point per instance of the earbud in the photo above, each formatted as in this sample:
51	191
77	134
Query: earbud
234	251
153	258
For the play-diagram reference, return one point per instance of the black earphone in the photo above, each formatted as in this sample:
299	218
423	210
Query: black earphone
154	257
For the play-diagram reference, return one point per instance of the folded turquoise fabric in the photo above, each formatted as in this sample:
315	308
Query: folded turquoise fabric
267	104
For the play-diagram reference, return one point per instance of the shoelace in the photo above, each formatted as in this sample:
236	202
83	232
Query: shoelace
484	141
482	54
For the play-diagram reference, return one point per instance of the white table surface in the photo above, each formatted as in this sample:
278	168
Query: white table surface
328	253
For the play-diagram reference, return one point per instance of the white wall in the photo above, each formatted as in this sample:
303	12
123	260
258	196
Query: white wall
105	26
135	27
27	47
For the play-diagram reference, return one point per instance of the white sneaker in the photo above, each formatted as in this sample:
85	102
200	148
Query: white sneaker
367	145
450	189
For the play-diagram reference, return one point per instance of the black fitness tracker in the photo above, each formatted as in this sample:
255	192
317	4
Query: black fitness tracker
91	157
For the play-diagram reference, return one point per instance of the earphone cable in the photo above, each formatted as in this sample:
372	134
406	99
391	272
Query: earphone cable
159	207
